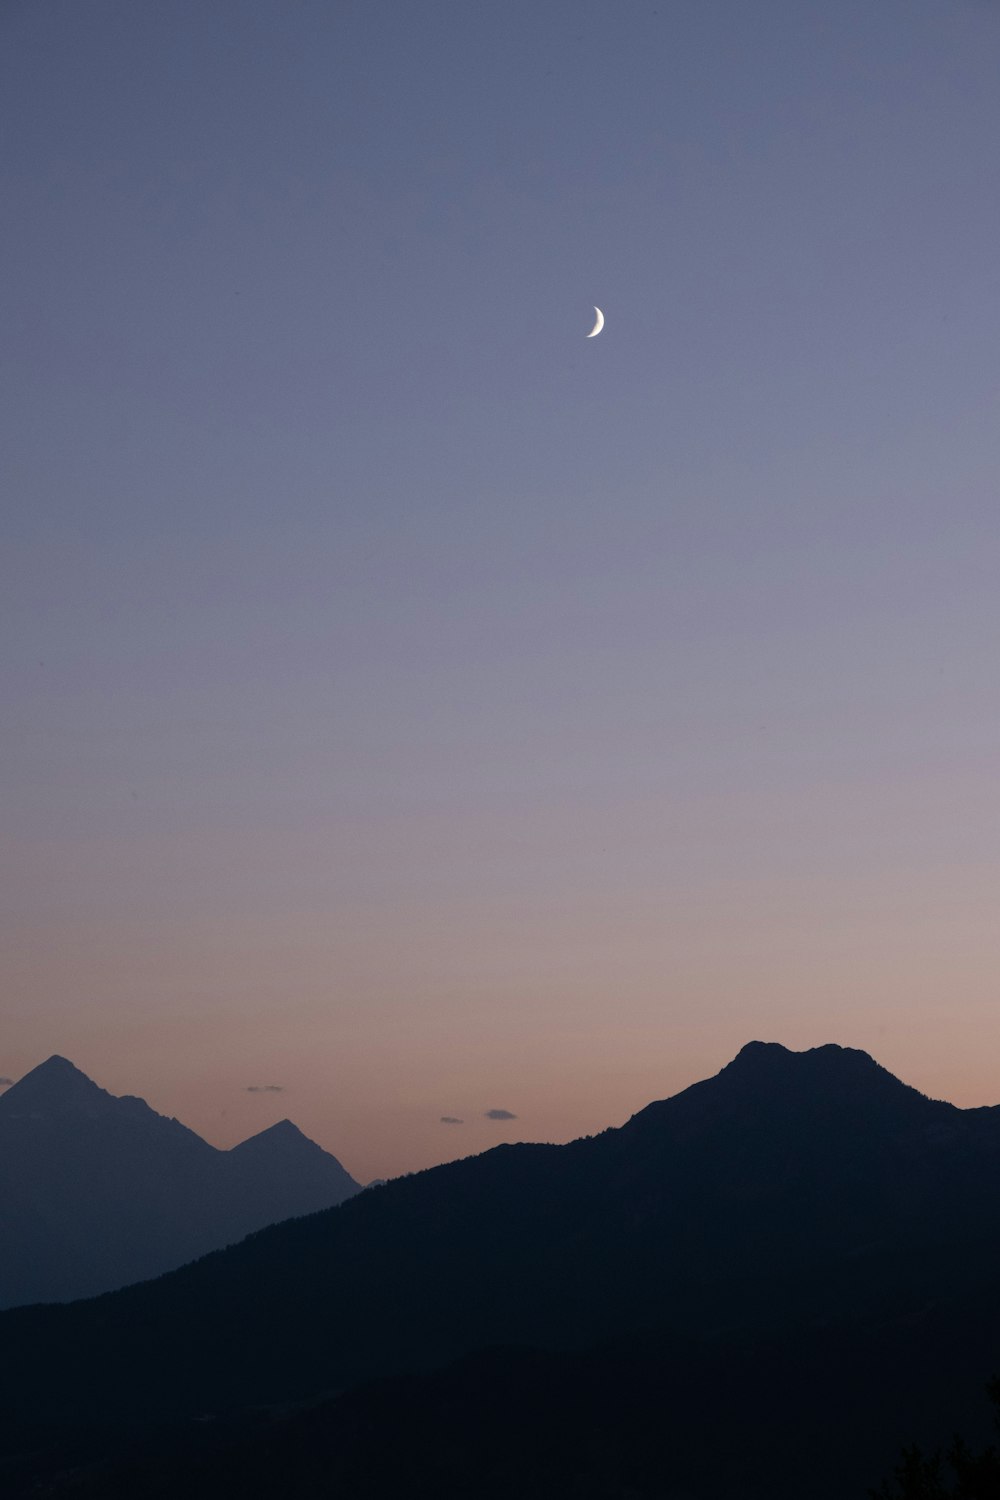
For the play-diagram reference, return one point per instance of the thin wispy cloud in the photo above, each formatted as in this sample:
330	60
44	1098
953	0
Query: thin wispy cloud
451	1120
265	1088
499	1114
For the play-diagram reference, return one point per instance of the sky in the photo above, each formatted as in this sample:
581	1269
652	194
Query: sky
417	709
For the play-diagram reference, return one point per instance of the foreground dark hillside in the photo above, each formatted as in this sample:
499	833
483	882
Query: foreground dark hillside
822	1413
801	1245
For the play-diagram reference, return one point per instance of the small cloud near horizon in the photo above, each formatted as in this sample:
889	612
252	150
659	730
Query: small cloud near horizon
451	1120
5	1083
265	1088
499	1114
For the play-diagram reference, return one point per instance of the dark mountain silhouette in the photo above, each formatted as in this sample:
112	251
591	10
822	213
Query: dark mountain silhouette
98	1191
819	1415
791	1267
975	1475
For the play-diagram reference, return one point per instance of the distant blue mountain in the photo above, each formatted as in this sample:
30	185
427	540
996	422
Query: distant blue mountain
97	1191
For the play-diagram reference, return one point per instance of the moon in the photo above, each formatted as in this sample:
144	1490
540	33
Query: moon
598	325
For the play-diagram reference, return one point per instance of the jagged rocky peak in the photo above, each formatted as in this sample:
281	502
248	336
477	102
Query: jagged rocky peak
282	1130
283	1146
55	1067
280	1139
56	1086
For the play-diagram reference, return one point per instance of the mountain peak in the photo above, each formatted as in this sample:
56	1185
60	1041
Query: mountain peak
284	1147
829	1062
755	1052
844	1077
282	1130
773	1054
56	1086
771	1081
283	1134
56	1066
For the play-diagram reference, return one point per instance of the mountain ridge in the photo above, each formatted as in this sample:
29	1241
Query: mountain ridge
725	1207
100	1190
56	1081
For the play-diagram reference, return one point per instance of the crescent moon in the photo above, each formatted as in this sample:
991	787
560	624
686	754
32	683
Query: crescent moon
598	325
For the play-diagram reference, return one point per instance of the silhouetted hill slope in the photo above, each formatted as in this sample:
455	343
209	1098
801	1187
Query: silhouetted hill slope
98	1191
816	1413
792	1196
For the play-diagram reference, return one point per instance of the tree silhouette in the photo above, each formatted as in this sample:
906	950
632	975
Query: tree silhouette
976	1476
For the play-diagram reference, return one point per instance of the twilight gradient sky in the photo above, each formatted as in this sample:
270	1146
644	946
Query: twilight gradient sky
418	706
